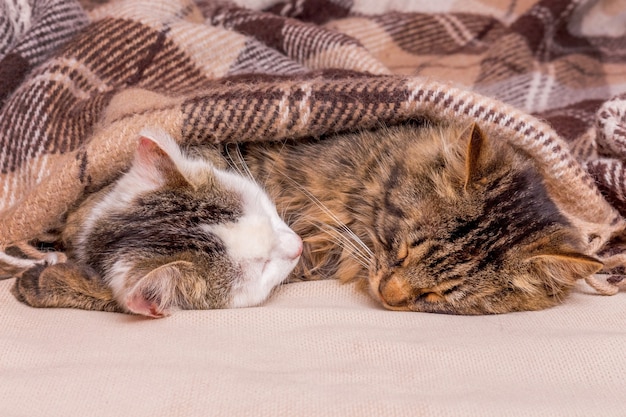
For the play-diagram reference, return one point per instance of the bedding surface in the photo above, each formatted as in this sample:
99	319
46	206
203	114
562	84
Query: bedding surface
315	349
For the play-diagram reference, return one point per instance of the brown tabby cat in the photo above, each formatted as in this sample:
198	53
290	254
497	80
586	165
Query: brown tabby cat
433	217
430	218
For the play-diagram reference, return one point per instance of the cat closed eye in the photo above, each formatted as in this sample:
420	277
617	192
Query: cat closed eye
397	263
431	297
417	242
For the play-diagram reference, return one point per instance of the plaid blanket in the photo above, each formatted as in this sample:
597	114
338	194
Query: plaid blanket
78	82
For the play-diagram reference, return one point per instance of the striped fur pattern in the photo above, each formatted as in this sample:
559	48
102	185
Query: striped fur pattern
429	218
538	74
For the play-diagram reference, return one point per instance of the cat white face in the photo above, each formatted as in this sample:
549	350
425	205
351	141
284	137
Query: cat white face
177	232
262	244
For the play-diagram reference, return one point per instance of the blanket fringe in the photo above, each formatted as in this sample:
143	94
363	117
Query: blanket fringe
609	284
12	266
602	286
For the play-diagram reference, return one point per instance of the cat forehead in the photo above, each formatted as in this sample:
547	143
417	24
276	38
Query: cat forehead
254	232
253	198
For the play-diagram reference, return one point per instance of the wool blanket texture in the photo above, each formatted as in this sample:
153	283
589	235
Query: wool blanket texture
79	80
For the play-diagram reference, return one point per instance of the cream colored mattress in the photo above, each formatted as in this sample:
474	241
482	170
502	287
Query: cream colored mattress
314	349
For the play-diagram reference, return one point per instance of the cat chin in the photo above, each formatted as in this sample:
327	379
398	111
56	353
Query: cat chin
260	281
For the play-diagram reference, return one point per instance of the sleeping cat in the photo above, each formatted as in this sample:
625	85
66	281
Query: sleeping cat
175	232
434	218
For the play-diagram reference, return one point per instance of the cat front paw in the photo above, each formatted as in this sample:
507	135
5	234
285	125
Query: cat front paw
63	285
27	289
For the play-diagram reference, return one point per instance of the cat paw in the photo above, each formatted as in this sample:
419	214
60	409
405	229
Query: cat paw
63	285
26	288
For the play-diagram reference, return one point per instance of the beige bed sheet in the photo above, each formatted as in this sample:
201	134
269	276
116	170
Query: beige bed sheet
315	349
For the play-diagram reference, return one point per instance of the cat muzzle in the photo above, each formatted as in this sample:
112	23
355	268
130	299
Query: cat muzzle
391	291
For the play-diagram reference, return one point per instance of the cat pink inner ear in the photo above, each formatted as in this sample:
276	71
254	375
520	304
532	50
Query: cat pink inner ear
148	151
155	294
151	161
138	304
146	145
156	165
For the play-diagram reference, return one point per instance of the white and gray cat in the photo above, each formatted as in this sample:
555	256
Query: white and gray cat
177	231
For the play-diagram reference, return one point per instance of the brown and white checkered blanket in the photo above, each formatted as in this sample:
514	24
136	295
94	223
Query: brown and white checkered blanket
76	86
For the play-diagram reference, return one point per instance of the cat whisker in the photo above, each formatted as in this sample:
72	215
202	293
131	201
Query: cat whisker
366	251
341	225
238	163
271	168
336	237
358	258
343	241
231	161
244	165
362	247
288	218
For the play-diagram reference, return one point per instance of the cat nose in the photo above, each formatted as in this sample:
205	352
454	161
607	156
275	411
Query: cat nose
298	249
395	291
293	246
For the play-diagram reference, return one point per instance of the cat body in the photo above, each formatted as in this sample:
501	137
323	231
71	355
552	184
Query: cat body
176	232
435	218
432	217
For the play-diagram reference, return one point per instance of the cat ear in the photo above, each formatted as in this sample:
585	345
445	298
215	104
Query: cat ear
155	159
155	295
567	267
477	144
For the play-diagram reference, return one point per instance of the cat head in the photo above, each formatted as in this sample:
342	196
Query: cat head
470	229
181	232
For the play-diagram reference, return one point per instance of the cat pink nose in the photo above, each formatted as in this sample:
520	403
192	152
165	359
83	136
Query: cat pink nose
294	247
